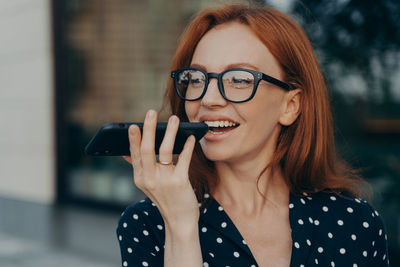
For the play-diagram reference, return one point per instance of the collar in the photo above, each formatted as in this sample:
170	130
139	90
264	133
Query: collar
301	229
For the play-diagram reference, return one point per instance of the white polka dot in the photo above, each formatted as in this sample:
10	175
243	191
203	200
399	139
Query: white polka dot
375	252
136	240
316	261
145	263
309	198
302	201
355	265
332	264
384	257
316	222
310	220
333	198
320	250
365	253
308	242
373	243
349	210
120	237
157	248
377	214
204	229
145	212
244	242
330	235
152	254
340	222
372	214
365	224
301	265
325	208
145	232
223	225
153	204
380	232
125	225
291	206
125	263
305	194
143	200
159	227
357	200
219	240
353	236
205	264
342	251
220	208
199	204
252	265
211	254
297	245
135	216
206	195
300	221
205	210
236	254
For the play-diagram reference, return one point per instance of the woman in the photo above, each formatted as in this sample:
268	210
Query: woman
270	189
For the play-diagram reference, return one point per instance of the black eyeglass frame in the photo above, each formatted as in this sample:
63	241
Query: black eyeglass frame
258	76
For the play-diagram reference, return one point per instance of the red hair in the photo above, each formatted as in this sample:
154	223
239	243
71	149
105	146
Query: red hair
305	150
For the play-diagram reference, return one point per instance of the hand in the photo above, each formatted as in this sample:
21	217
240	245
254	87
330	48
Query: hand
168	186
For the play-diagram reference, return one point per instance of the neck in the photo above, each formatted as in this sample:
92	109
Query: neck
238	190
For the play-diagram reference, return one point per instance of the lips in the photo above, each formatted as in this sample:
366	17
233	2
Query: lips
219	126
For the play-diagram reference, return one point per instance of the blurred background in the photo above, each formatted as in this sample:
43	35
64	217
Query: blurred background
69	66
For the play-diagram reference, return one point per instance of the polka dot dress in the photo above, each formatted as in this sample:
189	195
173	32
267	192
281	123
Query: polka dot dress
327	230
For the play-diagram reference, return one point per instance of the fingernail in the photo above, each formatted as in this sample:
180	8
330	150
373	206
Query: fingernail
132	130
150	114
173	119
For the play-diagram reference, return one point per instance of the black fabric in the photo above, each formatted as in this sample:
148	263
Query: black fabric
327	230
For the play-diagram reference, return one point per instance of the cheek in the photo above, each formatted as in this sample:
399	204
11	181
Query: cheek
191	109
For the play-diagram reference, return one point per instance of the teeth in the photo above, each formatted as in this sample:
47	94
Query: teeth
220	123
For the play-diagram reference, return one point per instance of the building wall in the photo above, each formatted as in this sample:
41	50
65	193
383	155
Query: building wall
26	101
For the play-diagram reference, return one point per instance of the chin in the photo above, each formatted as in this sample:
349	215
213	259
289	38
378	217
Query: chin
214	154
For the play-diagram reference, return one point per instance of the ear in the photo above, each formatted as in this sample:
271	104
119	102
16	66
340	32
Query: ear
290	107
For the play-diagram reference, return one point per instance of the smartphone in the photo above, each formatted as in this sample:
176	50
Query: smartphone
112	138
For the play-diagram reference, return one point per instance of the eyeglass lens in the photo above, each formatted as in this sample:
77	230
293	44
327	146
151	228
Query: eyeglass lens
237	85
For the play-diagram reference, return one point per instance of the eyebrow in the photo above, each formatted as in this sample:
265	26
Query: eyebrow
230	66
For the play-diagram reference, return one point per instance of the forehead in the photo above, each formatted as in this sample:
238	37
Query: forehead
232	43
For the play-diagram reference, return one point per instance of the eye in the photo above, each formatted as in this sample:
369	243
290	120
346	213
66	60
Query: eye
238	79
243	81
196	78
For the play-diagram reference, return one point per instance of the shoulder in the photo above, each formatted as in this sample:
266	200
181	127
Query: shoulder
344	213
340	209
341	224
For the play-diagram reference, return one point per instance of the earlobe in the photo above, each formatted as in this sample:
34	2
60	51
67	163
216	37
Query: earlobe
291	107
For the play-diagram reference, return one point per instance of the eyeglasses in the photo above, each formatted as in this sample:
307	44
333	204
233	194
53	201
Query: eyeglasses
235	85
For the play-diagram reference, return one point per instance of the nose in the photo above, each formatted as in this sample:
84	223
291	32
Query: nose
213	97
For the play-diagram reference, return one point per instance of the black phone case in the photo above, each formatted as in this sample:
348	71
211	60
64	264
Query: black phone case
112	138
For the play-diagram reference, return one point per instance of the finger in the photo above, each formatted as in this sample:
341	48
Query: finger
134	146
149	136
186	155
127	159
167	145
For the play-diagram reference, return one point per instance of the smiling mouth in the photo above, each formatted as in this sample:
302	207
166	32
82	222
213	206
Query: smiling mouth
220	127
